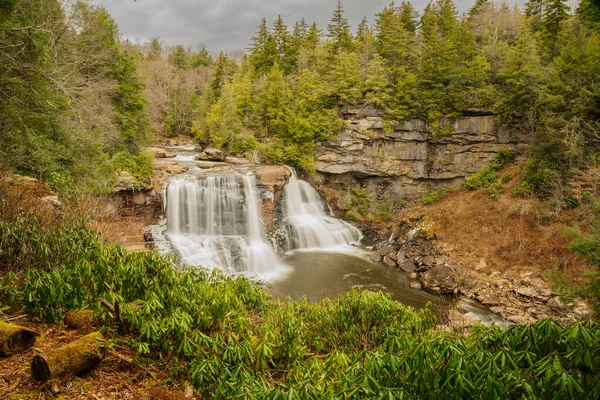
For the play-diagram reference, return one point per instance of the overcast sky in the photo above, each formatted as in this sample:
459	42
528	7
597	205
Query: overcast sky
229	24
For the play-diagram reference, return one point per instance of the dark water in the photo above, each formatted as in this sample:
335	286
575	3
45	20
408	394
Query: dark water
319	274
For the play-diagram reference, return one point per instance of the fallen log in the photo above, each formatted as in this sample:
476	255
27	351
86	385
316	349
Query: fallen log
79	356
15	339
79	319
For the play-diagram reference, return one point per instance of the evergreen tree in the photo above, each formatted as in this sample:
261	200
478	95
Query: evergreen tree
287	48
338	31
521	79
312	37
589	12
179	58
554	14
271	102
394	42
201	58
409	17
155	52
220	75
264	50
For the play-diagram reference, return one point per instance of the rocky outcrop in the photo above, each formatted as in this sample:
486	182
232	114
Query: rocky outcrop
211	154
404	160
161	153
517	296
271	179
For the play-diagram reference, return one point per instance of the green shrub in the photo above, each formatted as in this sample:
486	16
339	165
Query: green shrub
139	166
489	174
355	215
240	342
495	189
385	213
431	198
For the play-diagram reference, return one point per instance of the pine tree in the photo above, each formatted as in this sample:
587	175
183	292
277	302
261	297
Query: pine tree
554	14
409	17
521	79
394	43
338	31
264	50
287	49
312	37
179	57
220	75
156	50
201	58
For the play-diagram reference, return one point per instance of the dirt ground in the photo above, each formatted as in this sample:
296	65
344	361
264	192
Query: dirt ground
504	234
115	378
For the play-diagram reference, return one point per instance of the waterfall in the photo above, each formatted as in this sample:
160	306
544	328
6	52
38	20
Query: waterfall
310	227
214	221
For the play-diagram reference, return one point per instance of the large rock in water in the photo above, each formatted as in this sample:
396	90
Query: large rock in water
161	153
211	154
441	279
271	179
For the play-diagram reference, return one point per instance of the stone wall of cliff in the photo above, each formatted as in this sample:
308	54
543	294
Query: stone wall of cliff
402	163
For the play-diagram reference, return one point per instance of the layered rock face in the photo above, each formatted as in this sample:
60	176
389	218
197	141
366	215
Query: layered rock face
271	179
404	161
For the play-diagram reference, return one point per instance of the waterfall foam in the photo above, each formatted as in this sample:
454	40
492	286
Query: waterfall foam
214	221
309	226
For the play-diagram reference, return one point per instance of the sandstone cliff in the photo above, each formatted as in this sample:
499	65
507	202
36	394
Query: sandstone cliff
403	161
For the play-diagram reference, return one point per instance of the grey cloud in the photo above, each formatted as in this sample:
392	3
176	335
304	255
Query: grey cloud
229	24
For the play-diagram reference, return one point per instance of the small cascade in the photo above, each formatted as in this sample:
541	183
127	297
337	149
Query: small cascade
309	226
214	221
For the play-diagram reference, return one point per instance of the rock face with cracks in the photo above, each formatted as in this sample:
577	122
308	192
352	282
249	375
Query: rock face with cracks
405	159
271	179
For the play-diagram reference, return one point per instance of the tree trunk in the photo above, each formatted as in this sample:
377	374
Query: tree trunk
15	339
78	356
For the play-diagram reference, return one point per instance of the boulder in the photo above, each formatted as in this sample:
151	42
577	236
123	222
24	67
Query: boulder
377	255
161	153
165	168
273	176
211	154
125	182
441	279
408	265
416	285
389	261
237	160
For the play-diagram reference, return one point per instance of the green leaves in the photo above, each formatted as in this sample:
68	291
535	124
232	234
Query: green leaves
232	339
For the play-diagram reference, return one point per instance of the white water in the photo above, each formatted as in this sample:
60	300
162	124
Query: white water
309	226
214	221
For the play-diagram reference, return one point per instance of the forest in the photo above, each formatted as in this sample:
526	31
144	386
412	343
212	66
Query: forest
79	104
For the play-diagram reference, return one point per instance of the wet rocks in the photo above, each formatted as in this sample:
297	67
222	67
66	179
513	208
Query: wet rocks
408	266
441	279
161	153
378	255
271	179
211	154
237	160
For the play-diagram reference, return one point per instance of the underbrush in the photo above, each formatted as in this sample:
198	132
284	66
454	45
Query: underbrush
231	339
487	177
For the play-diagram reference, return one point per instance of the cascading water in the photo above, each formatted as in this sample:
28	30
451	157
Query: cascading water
309	226
213	221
